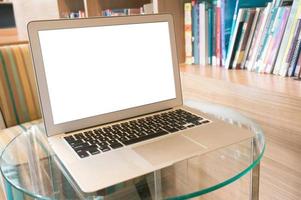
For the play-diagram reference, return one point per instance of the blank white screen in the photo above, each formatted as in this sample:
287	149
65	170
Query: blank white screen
97	70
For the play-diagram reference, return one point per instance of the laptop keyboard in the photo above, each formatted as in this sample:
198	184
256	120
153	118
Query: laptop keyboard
115	136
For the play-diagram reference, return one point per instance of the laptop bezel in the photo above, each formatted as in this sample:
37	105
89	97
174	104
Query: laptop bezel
54	129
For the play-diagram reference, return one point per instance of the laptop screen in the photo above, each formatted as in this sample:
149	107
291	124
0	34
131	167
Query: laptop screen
97	70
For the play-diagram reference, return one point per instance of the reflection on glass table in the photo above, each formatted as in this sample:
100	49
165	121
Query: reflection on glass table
31	170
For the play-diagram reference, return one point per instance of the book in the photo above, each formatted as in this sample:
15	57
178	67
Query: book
292	47
203	27
235	37
218	34
269	39
210	33
227	12
252	57
263	43
298	67
243	42
188	33
245	4
251	36
148	8
134	11
277	37
195	32
287	37
213	59
295	55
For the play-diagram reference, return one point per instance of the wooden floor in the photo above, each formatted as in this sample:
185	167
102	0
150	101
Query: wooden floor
274	103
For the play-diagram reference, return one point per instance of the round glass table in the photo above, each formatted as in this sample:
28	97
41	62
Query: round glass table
31	170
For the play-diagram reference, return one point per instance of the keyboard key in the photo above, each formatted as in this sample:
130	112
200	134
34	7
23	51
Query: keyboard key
82	154
104	148
69	138
93	151
116	145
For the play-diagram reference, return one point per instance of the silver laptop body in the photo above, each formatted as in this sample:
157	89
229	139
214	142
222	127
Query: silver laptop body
96	74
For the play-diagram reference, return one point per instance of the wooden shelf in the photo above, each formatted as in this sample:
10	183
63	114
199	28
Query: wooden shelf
267	82
94	8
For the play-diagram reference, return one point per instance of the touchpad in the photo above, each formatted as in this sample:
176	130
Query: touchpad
168	150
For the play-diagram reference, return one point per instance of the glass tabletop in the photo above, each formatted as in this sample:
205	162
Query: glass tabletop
31	169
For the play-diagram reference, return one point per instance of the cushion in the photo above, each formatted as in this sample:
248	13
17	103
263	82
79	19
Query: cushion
18	95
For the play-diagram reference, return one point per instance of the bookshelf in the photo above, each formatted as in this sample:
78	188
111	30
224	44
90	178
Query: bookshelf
94	8
261	36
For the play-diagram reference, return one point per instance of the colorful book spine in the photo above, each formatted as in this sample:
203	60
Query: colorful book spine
251	36
272	38
287	37
246	33
195	32
203	34
292	48
210	33
222	28
298	66
234	21
269	39
214	3
255	38
218	34
235	38
277	40
227	12
294	59
251	60
264	37
188	33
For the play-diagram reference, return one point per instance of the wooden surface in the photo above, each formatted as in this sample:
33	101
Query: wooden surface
9	40
271	101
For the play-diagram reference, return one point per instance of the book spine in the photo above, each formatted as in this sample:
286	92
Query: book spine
252	59
223	42
214	32
195	25
203	35
292	68
248	24
234	20
264	38
234	38
295	11
278	37
298	66
255	38
240	41
188	33
210	33
269	40
292	47
251	37
294	41
218	34
272	38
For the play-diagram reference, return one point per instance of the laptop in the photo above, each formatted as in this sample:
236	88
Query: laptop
111	99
